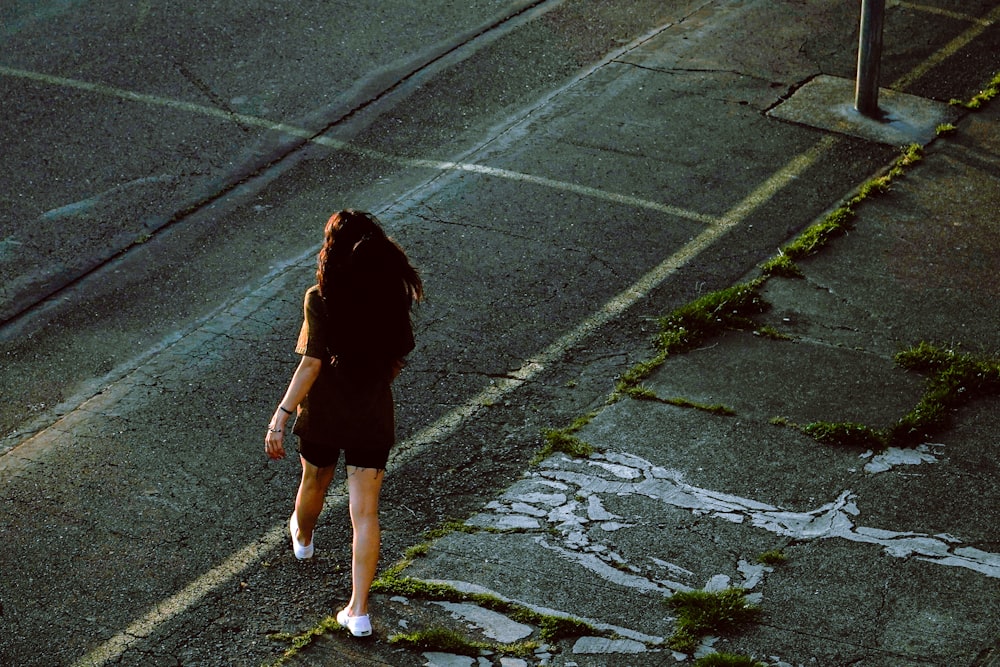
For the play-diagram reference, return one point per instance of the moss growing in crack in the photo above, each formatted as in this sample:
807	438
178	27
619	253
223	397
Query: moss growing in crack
844	434
439	639
554	628
417	551
817	236
561	441
991	90
688	326
840	434
643	393
565	441
551	627
392	582
451	526
772	557
772	333
302	640
781	265
839	221
953	379
713	408
911	155
701	613
725	309
630	383
450	641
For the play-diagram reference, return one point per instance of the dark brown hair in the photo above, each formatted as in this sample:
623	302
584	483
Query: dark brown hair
346	250
368	285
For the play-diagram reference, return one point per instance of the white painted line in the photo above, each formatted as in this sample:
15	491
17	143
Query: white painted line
175	605
940	11
584	190
154	100
330	142
948	50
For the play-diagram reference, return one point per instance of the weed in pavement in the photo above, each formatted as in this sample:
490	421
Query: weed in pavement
772	557
700	613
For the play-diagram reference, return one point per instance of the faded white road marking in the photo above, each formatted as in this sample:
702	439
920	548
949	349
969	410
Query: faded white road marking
330	142
183	600
940	11
949	49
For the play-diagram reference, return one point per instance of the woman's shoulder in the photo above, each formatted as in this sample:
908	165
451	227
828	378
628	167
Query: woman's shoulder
313	302
313	296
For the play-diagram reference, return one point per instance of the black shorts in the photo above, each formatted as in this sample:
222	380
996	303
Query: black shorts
324	456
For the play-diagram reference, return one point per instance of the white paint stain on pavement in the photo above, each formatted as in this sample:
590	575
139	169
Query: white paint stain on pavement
617	474
894	456
493	624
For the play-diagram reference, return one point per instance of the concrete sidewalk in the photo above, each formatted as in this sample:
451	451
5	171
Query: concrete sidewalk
888	558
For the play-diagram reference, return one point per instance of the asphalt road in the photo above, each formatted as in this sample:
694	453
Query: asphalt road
167	174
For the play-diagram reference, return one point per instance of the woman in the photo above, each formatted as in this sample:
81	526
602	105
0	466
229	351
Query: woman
353	342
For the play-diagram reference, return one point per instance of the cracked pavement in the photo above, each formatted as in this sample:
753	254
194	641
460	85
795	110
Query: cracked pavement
552	182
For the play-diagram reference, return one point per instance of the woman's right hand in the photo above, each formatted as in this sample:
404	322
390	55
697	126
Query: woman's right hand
274	441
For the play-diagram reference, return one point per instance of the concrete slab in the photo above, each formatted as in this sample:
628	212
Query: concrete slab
816	381
827	102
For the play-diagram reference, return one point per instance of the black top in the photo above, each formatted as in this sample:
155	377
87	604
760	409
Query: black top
350	404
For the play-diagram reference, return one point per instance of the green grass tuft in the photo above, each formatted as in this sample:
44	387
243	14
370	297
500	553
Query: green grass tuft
439	639
953	379
701	613
303	639
713	408
844	434
772	557
781	265
729	308
772	333
991	90
565	441
817	236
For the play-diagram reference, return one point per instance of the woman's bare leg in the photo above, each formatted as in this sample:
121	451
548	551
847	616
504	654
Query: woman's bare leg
310	497
364	486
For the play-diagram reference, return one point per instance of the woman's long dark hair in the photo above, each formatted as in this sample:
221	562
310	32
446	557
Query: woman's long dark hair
367	283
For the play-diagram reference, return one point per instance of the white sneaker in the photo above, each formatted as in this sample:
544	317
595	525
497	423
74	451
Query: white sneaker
302	551
359	626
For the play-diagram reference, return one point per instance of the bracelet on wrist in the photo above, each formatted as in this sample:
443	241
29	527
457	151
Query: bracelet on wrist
287	412
273	430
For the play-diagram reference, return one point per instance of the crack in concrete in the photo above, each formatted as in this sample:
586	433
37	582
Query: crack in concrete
468	225
212	96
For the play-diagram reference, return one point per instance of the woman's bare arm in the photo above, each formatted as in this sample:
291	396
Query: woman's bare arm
302	380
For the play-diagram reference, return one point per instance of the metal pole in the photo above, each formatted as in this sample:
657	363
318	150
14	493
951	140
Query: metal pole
869	57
